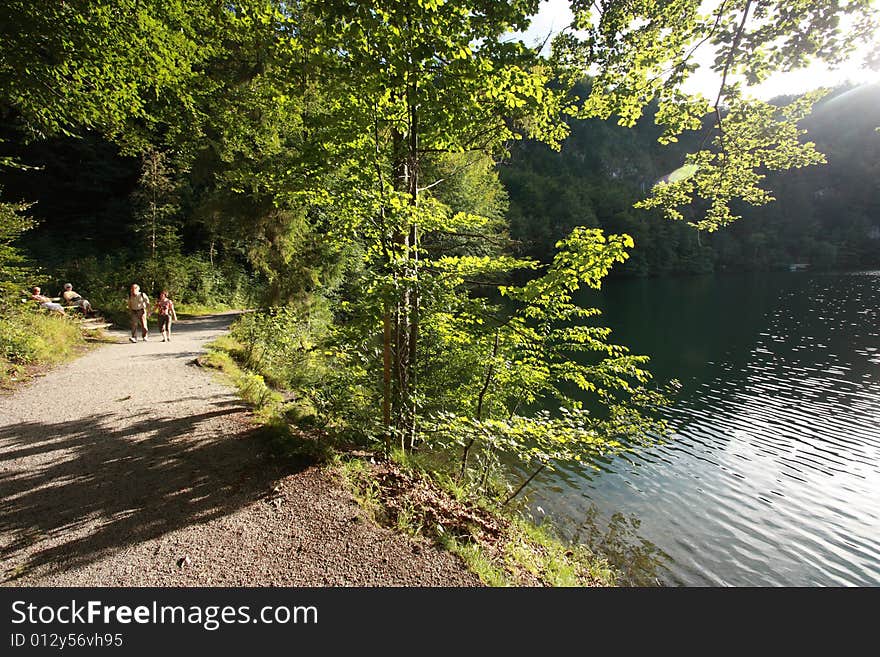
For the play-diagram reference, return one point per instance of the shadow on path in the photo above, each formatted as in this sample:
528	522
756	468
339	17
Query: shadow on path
190	323
187	326
89	490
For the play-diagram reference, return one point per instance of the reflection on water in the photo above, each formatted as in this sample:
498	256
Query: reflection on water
773	474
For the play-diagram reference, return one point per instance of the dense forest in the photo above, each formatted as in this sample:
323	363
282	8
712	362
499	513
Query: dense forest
335	164
826	216
87	199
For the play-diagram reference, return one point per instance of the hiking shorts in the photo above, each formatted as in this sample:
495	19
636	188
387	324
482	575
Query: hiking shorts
138	320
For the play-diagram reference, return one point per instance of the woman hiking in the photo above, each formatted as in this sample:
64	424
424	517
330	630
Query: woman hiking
165	311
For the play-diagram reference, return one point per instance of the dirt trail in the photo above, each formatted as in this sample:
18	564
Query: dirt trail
132	466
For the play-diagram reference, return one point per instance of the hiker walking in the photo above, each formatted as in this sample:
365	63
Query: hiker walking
139	309
165	310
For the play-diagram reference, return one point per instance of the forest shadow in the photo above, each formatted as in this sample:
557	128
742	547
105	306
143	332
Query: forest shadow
101	489
185	325
216	322
151	357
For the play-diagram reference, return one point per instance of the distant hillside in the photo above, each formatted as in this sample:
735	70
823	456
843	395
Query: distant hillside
826	216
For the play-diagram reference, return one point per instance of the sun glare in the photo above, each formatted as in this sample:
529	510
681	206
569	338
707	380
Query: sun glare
553	15
817	75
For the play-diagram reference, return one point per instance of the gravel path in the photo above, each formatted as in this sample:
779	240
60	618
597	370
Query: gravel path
132	466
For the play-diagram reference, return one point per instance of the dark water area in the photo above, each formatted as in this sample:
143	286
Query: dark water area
772	475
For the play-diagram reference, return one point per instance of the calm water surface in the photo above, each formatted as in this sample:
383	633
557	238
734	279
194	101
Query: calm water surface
772	477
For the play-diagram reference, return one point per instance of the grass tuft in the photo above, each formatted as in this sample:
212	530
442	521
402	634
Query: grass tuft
286	439
30	340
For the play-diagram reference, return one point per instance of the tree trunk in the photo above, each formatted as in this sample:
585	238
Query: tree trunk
400	348
415	292
464	457
489	372
523	485
386	374
405	241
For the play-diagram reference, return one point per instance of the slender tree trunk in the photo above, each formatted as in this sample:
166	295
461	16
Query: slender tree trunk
401	338
406	239
490	371
486	469
523	485
486	382
464	457
401	413
386	373
387	351
154	174
415	292
153	236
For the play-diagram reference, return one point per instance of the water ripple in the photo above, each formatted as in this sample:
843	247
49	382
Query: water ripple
772	476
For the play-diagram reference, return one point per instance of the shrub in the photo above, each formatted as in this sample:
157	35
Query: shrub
30	337
18	344
282	343
191	281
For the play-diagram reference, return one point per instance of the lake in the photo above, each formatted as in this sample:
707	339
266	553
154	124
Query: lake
772	474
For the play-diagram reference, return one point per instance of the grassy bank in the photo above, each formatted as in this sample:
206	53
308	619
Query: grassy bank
417	497
31	340
500	546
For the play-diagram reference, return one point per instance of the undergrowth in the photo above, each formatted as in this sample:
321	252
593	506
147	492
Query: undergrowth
270	408
31	339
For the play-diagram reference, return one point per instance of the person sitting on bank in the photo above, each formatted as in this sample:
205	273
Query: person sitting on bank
46	302
73	299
